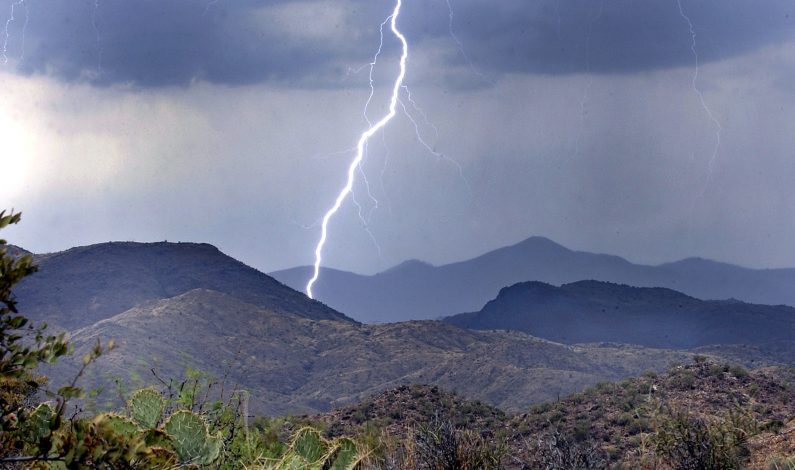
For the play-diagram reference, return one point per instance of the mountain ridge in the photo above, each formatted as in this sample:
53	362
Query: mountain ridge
172	306
464	286
593	311
82	285
294	364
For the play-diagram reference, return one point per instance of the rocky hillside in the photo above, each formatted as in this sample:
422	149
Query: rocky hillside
416	290
173	306
642	422
622	418
293	364
592	311
78	287
399	409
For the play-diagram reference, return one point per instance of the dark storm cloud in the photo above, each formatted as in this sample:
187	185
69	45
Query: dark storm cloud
615	36
174	42
164	42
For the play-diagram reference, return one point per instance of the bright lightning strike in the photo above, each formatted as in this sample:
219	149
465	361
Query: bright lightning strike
589	84
718	127
209	4
24	29
97	36
461	44
360	146
10	20
422	140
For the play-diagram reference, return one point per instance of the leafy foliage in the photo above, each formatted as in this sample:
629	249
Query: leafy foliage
18	357
42	434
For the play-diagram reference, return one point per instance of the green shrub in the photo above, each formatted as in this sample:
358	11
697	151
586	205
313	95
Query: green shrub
438	445
781	463
555	450
738	371
685	441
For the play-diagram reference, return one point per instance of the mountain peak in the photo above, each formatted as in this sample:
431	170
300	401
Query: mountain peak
414	290
101	280
531	287
604	288
698	262
539	242
408	265
17	251
593	311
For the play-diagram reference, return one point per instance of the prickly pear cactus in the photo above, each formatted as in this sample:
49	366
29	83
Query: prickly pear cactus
345	455
118	424
309	445
160	457
37	426
213	447
191	440
146	407
309	451
156	437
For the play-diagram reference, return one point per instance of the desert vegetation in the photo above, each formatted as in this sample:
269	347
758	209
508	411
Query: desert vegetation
700	415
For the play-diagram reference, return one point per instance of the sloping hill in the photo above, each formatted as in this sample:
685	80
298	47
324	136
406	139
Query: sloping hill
592	311
83	285
416	290
408	406
16	251
623	418
627	424
292	364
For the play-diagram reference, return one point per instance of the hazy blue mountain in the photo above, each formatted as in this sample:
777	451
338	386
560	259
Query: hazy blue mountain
168	306
17	251
83	285
592	311
416	290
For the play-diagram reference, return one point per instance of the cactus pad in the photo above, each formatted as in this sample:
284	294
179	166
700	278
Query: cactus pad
309	445
119	425
37	426
146	407
345	456
193	444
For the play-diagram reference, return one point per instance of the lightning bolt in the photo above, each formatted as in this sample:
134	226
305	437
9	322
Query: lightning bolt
460	44
361	146
371	81
697	90
589	84
10	20
24	29
359	209
421	139
209	5
97	36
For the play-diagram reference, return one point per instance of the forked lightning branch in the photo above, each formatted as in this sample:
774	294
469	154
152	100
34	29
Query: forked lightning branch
361	146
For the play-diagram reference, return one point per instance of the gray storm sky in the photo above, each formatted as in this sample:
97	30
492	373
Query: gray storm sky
231	122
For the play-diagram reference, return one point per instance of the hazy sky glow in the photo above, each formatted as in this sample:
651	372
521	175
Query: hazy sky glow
231	122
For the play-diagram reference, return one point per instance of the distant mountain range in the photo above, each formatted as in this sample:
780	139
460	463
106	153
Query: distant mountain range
169	306
416	290
593	311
